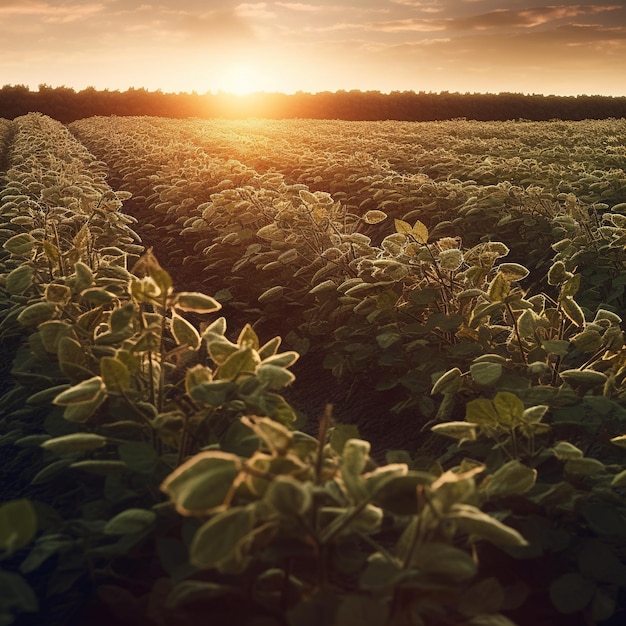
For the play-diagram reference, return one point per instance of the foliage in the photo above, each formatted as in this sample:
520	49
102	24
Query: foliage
473	269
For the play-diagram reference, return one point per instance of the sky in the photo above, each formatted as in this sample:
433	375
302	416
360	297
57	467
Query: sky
476	46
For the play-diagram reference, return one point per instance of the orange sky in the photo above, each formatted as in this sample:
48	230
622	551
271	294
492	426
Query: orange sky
528	46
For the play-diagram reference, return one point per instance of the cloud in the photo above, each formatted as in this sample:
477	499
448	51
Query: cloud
527	18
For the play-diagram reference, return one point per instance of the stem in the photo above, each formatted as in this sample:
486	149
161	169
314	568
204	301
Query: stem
517	335
325	423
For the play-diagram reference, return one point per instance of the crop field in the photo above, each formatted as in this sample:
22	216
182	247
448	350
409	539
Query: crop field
312	372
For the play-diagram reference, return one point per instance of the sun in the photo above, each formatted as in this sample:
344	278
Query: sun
241	79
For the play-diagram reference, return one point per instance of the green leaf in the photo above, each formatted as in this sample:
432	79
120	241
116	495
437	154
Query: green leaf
557	273
243	362
191	301
570	287
84	392
464	431
277	437
353	459
273	376
449	382
84	276
482	526
222	538
248	338
213	393
20	244
509	407
51	333
271	294
442	560
139	456
289	496
115	374
101	468
583	378
513	271
18	525
19	280
574	313
37	313
283	359
129	522
513	478
584	466
16	595
571	593
184	333
200	485
619	480
499	288
564	451
486	374
121	317
75	442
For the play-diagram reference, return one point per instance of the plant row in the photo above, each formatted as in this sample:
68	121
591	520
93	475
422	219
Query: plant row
126	386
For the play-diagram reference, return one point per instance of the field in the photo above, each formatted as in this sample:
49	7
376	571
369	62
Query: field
303	372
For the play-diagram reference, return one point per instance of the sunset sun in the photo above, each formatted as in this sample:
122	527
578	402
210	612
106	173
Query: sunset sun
241	79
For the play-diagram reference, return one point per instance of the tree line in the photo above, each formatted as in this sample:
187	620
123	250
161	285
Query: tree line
67	105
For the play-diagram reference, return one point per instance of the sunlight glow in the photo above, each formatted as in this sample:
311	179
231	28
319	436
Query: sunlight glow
242	79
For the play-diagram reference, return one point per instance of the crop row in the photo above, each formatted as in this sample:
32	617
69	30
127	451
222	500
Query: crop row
126	387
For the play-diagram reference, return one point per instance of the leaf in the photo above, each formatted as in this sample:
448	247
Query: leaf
451	259
572	311
248	338
20	244
283	359
277	437
101	468
513	271
289	496
37	313
510	408
353	459
200	485
17	596
513	478
242	362
115	374
463	431
139	456
129	522
449	382
75	442
402	227
184	333
84	392
583	378
564	451
191	301
221	539
571	593
271	294
570	287
584	466
482	526
557	273
485	373
18	525
499	288
420	232
19	280
440	559
374	216
121	317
